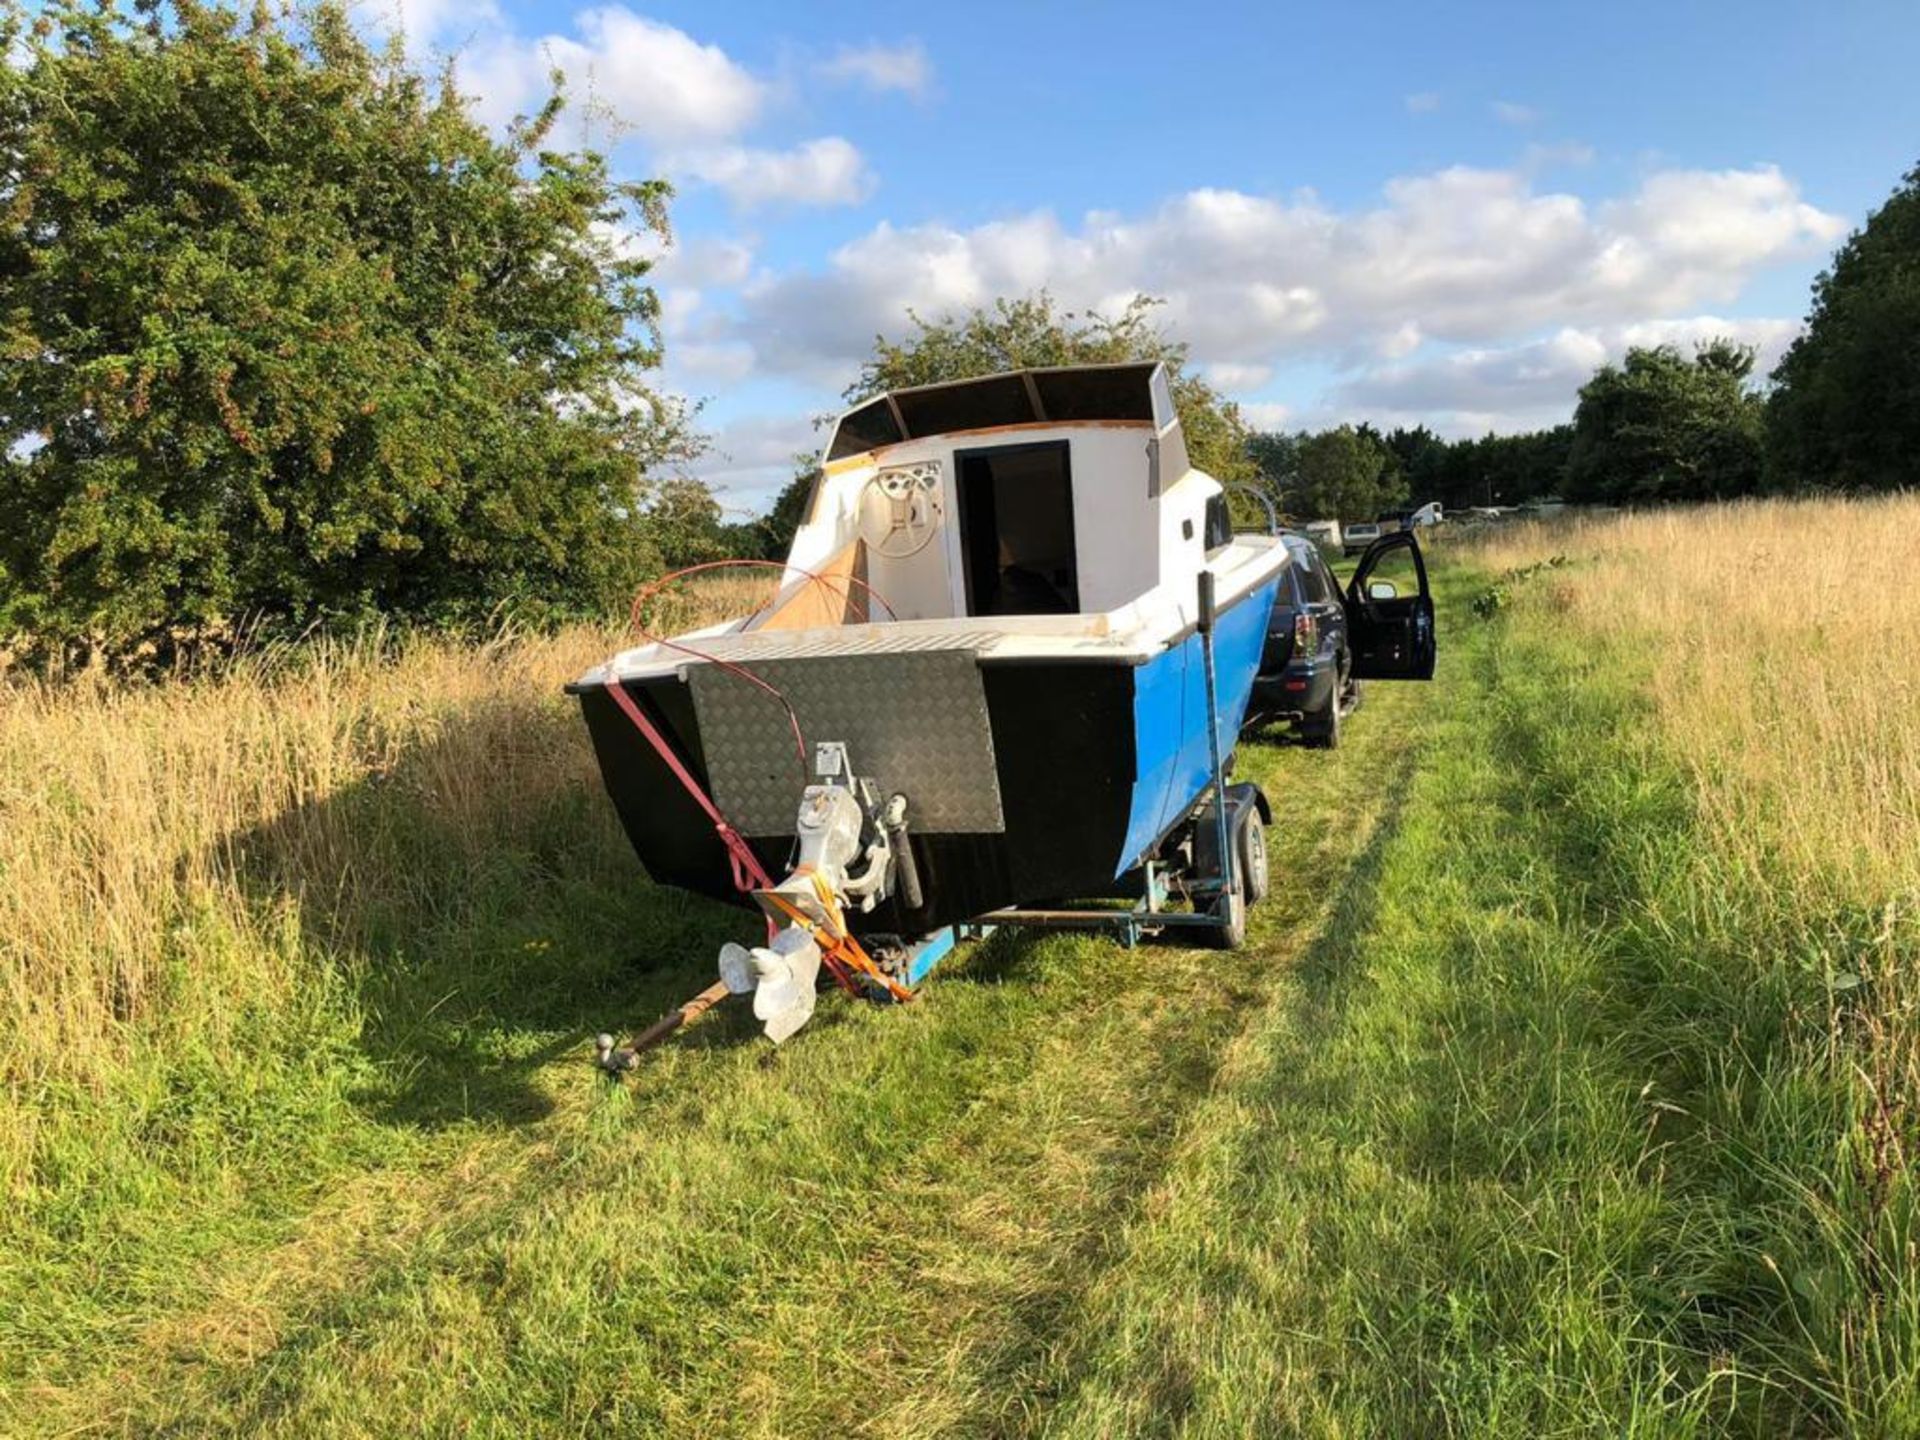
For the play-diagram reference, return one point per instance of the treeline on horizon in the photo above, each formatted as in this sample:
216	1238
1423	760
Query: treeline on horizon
1840	413
289	341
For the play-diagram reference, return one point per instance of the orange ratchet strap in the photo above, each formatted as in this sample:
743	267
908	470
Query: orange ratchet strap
841	953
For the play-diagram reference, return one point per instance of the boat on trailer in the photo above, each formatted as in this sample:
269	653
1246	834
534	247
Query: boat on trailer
1014	638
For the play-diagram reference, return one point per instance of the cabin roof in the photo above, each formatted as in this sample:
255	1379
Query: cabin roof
1055	395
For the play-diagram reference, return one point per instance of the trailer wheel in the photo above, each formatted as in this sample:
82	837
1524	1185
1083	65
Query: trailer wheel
1254	878
1233	934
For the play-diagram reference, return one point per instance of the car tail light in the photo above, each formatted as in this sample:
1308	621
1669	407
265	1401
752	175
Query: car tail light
1306	634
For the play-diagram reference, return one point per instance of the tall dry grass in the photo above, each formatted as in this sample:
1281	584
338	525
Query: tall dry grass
1787	665
184	859
1778	647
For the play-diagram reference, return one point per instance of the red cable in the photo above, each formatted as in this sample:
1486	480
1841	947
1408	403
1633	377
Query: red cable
647	592
748	873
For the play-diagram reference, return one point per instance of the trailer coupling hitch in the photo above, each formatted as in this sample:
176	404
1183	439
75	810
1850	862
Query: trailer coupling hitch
615	1061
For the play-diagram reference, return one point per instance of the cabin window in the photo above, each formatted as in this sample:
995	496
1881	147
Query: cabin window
1219	524
1163	411
1101	393
975	405
1016	530
867	428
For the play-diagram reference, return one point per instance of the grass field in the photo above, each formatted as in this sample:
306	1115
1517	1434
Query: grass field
1567	1087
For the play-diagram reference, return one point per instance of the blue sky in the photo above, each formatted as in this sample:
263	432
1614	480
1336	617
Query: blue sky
1399	212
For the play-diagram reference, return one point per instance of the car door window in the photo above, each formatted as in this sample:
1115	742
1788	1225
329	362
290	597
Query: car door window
1396	568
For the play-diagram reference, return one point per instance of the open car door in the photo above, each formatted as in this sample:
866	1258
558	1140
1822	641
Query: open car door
1390	634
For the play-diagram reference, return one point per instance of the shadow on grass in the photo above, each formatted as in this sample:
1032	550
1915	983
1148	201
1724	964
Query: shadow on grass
1327	968
485	914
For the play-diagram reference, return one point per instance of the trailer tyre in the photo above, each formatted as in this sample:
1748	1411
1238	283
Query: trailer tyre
1255	880
1233	934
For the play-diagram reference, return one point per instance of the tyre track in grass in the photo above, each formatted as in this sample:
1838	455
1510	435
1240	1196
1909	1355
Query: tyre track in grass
880	1228
1430	1196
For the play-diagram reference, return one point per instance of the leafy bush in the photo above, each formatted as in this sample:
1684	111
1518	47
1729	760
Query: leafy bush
284	332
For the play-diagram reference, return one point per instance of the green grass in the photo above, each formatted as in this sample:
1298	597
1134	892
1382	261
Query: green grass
1496	1128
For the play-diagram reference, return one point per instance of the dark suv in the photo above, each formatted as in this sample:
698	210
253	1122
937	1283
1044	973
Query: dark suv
1308	673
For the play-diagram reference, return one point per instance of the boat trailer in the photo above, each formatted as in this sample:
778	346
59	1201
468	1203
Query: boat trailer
854	852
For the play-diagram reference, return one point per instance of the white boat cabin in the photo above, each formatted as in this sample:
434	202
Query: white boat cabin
1037	492
1058	506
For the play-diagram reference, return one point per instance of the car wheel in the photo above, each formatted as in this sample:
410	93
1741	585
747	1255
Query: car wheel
1326	734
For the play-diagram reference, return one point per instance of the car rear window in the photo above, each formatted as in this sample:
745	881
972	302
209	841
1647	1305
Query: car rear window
1306	585
1330	587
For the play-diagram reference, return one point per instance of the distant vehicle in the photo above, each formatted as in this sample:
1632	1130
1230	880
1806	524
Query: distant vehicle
1323	532
1428	514
1357	536
1306	676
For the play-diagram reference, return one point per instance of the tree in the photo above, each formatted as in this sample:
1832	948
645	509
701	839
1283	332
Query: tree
1661	426
1034	331
1845	410
1339	474
283	331
1421	457
778	525
685	525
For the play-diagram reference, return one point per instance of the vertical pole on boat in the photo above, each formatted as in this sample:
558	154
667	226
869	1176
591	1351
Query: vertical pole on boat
1227	866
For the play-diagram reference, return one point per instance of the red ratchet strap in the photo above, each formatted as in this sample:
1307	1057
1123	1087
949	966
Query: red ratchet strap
748	873
842	957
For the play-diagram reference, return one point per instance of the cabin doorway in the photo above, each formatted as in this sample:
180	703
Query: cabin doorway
1016	530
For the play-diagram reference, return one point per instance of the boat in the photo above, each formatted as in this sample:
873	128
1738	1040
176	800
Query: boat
984	683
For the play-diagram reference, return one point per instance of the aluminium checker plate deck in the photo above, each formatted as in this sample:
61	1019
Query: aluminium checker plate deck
915	721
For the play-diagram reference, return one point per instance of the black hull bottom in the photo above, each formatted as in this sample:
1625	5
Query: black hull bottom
1063	741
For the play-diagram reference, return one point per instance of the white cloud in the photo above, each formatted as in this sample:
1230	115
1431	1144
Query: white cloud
1720	218
1769	337
1266	415
700	348
1455	257
1570	153
651	80
723	362
752	458
1507	112
1401	342
1230	376
904	68
707	261
423	22
1534	383
828	171
1423	102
